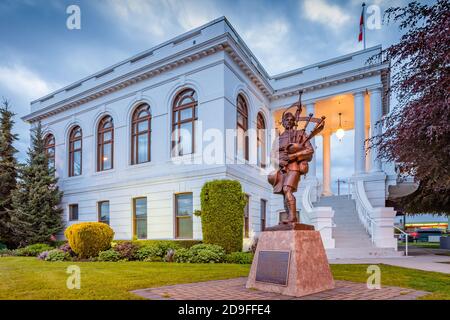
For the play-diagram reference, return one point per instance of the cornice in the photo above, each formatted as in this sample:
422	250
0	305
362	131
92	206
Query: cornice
224	43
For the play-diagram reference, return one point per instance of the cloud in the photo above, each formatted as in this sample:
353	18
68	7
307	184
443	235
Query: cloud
160	19
330	15
21	81
271	44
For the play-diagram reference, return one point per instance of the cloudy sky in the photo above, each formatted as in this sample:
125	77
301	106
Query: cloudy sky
39	54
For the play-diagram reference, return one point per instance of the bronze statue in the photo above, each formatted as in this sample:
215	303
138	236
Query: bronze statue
293	154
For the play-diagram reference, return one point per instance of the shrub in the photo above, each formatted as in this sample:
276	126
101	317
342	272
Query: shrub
66	248
43	255
126	250
183	255
57	255
207	253
87	239
171	243
222	214
109	255
154	259
155	249
33	250
2	246
7	253
239	257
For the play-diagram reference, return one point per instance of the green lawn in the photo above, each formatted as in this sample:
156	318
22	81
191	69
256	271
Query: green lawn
431	245
29	278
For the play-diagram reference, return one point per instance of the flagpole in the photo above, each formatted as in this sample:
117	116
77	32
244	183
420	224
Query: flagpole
364	24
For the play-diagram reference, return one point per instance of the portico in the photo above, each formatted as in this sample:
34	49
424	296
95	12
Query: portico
359	110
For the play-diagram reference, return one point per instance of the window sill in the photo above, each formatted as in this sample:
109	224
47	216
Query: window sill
104	172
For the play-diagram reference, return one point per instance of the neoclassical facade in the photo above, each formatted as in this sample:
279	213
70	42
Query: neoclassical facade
133	144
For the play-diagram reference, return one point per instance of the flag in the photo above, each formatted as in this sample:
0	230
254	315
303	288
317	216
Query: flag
361	25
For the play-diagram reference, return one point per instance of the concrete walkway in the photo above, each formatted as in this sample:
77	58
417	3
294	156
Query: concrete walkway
419	258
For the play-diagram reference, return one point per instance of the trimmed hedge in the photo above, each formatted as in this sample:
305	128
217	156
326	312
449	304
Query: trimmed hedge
169	243
87	239
222	214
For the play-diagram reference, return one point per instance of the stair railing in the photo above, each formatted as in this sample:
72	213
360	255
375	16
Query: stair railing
406	239
364	208
320	217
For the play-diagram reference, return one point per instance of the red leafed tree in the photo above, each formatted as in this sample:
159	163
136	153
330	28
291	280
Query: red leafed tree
417	131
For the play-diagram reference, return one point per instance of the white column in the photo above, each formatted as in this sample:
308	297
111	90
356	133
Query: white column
359	133
312	164
367	136
375	116
326	164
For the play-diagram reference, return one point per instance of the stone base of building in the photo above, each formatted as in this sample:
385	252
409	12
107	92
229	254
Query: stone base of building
290	262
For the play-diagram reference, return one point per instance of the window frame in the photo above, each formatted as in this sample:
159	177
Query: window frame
99	213
71	206
247	217
72	151
134	231
135	133
176	217
261	140
101	131
177	123
242	109
50	145
263	213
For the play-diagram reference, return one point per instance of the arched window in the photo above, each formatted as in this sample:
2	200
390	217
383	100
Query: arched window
242	127
49	145
75	151
261	140
105	144
140	134
184	114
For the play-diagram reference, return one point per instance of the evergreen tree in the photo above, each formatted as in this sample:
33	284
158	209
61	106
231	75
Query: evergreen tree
36	214
8	170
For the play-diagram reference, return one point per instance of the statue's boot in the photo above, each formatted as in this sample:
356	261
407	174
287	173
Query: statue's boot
286	208
292	218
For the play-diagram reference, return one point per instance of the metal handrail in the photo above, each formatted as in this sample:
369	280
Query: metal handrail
406	239
363	209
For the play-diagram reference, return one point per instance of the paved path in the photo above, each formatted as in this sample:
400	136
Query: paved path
421	259
234	289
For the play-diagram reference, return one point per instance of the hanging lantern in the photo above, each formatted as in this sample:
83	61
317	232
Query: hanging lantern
340	133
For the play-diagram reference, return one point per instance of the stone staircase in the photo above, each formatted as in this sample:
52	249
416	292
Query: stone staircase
351	239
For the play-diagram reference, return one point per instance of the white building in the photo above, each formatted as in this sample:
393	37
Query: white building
111	134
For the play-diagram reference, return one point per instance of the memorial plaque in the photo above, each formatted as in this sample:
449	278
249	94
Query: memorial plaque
273	267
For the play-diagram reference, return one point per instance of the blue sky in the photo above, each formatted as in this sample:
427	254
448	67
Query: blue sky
39	54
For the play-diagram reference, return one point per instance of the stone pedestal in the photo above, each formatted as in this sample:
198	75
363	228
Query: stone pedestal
290	262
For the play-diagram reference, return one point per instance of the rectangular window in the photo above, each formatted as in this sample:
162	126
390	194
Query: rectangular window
263	214
183	216
246	217
73	212
103	212
140	218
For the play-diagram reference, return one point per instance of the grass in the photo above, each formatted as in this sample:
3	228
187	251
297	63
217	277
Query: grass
435	282
431	245
29	278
